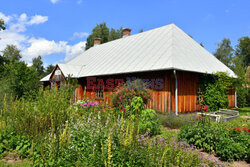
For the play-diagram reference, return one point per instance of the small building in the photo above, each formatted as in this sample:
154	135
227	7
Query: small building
166	57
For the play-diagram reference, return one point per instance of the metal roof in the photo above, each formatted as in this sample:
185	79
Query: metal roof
163	48
70	70
46	78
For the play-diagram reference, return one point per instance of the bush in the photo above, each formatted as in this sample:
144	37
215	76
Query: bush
219	138
170	120
123	95
214	90
243	95
10	141
149	122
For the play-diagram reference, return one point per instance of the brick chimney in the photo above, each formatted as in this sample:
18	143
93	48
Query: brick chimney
97	41
126	32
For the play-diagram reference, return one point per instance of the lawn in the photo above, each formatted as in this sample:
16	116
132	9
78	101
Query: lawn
244	111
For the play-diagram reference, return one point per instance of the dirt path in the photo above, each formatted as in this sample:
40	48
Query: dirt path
245	116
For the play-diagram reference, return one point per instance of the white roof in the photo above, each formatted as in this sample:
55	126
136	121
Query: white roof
163	48
67	70
70	70
46	78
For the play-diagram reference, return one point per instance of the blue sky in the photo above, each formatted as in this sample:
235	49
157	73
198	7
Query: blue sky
57	29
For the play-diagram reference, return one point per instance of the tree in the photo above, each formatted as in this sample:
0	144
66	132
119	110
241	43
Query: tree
23	79
141	30
241	61
11	53
37	63
102	31
49	69
243	51
2	25
16	77
115	34
224	52
202	44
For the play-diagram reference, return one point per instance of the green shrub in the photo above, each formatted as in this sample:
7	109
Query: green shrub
214	90
149	122
242	96
219	138
10	141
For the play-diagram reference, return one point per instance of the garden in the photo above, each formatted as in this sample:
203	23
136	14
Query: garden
51	130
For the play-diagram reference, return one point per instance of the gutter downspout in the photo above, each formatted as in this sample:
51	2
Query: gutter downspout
176	93
235	99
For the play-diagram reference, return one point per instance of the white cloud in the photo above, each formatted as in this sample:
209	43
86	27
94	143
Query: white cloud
8	37
31	46
5	18
37	19
79	35
79	2
17	27
54	1
73	51
43	47
23	17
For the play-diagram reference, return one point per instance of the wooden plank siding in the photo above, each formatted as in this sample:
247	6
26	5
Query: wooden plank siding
163	100
231	97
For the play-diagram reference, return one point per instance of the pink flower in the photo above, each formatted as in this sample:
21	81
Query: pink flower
206	108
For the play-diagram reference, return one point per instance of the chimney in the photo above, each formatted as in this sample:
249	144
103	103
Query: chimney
126	32
97	41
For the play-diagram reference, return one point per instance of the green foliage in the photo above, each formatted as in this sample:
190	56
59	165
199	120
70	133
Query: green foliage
221	138
2	25
224	52
11	53
170	120
238	60
115	34
22	80
149	122
37	63
214	90
10	141
50	132
244	111
243	51
242	95
49	69
50	110
103	32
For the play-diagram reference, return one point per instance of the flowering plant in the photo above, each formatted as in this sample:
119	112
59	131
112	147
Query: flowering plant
123	94
237	129
205	108
89	104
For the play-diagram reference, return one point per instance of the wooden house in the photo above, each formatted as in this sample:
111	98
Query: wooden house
166	57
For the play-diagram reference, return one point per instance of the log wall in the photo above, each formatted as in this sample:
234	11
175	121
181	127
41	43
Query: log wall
163	100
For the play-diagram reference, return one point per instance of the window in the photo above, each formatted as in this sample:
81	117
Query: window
198	96
99	93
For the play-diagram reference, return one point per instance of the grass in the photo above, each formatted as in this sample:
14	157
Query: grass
244	111
21	163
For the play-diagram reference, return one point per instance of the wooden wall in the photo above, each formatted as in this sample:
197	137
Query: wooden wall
231	97
163	100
